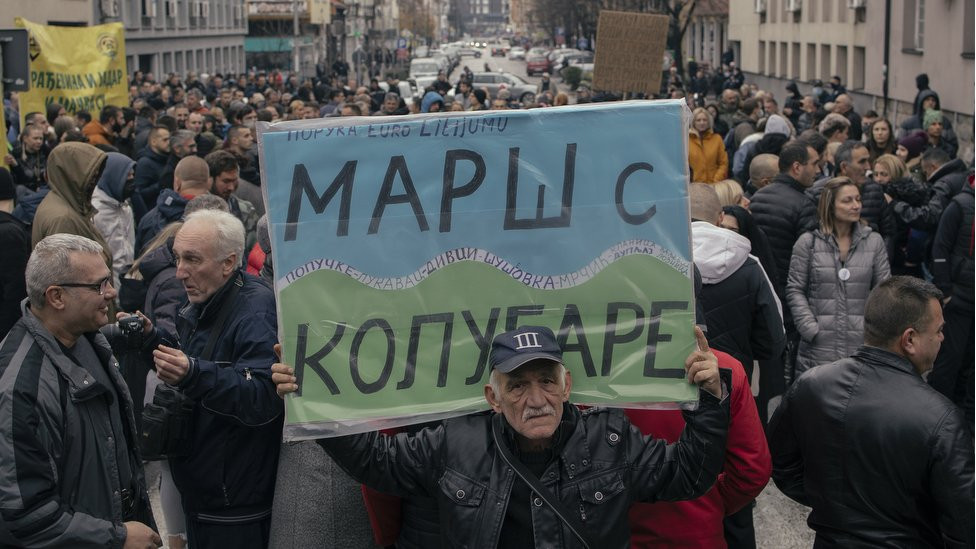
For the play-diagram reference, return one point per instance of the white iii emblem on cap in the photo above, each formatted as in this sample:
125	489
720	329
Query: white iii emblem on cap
528	340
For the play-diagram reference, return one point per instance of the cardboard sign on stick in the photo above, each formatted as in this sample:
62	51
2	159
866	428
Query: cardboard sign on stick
629	47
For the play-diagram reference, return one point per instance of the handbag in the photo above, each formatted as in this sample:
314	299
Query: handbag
167	422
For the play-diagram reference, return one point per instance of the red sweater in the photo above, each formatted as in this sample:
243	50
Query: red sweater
698	523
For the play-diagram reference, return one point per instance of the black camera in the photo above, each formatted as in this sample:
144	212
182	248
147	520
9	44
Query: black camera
167	424
130	329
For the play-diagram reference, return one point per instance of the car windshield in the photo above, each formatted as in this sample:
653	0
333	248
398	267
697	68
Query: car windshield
424	67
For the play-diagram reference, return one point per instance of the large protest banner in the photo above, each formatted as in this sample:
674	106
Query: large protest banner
82	68
401	246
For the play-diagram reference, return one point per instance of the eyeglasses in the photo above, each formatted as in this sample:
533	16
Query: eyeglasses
98	287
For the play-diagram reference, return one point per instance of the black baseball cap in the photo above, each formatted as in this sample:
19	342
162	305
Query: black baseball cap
513	349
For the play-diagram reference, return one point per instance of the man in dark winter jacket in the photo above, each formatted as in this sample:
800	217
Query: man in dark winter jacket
71	470
881	457
946	178
782	209
227	481
15	243
190	179
596	460
149	171
952	268
928	100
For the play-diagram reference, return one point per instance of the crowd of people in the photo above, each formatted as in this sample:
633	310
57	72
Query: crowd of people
829	246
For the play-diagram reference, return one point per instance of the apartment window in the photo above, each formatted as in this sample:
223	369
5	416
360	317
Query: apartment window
783	59
857	77
827	5
842	10
762	57
795	60
771	8
841	67
178	62
811	9
772	59
824	62
811	61
913	31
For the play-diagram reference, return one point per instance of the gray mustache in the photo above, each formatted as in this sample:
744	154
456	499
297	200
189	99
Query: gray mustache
530	413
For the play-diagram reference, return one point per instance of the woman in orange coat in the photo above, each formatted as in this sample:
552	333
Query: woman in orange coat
706	151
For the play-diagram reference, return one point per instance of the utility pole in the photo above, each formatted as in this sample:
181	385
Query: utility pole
296	56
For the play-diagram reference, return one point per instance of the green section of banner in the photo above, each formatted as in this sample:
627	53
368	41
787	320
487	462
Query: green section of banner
365	373
81	68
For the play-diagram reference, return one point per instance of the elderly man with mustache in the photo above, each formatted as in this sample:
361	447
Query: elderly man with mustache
535	471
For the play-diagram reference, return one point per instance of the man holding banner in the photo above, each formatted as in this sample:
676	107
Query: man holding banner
586	467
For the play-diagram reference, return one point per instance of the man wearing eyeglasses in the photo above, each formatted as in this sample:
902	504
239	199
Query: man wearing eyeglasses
70	472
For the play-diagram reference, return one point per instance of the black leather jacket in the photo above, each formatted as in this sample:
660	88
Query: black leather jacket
604	465
883	459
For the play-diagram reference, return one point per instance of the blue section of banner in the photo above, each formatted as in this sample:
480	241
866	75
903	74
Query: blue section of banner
529	154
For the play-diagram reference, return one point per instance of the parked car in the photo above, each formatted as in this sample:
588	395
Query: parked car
470	52
491	82
424	71
536	64
498	49
555	54
517	52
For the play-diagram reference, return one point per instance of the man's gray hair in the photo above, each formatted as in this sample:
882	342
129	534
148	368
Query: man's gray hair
391	95
205	201
50	263
179	137
494	379
228	231
845	153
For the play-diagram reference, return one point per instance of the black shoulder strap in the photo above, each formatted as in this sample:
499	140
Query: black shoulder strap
218	326
568	518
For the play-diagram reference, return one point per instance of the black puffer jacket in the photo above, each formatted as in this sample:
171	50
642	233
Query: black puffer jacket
783	211
604	465
741	312
883	459
946	183
952	250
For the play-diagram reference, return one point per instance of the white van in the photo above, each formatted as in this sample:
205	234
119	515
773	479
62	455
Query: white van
424	71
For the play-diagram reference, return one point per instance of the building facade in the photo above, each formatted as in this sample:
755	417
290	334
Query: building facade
707	35
781	40
161	36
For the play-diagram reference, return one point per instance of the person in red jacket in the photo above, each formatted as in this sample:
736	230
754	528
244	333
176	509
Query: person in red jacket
698	523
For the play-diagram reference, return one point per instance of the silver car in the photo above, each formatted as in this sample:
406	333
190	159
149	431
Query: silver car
491	82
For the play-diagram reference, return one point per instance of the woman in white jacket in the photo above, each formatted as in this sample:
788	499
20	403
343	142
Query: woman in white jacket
832	271
113	214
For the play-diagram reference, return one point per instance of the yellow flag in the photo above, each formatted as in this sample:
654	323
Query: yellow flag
82	68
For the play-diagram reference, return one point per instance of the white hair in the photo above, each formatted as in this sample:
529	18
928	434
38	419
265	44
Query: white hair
494	379
228	231
50	263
